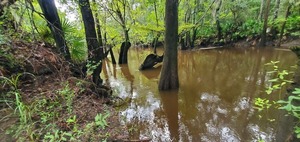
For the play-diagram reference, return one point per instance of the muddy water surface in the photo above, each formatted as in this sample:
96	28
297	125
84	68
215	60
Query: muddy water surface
214	102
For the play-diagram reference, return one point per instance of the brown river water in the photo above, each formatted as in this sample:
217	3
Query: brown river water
214	102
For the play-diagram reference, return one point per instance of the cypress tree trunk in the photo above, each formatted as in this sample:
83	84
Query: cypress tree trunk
169	73
50	12
96	54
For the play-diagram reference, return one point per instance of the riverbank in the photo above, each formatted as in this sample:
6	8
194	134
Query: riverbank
51	105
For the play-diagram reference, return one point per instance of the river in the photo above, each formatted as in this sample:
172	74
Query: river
215	99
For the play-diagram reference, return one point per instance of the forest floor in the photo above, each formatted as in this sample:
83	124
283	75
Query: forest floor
56	102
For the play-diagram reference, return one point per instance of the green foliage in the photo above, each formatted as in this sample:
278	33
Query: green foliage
91	66
57	135
3	38
68	95
262	104
279	80
46	110
250	28
21	109
292	25
292	106
100	120
276	83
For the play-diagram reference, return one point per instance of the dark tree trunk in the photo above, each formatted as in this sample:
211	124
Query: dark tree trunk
219	29
50	12
194	34
113	60
96	54
188	39
123	53
264	34
169	73
155	40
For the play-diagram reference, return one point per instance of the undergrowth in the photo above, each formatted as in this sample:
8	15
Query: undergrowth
45	118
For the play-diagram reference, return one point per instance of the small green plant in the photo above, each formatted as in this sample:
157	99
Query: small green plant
292	107
278	83
262	104
280	78
68	95
100	120
91	66
72	121
21	108
59	136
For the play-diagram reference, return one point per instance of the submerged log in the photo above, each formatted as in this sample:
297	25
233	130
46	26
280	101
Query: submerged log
150	61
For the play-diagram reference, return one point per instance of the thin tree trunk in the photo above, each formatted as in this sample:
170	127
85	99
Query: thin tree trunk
276	10
158	34
169	73
264	34
262	5
50	12
98	27
274	31
195	29
95	52
287	13
125	45
113	60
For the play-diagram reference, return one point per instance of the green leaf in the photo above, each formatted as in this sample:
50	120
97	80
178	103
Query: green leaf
297	91
273	80
288	107
269	90
283	83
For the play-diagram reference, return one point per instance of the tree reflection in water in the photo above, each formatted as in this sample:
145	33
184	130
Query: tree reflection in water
215	99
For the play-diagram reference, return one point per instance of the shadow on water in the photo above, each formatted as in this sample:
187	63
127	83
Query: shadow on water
215	99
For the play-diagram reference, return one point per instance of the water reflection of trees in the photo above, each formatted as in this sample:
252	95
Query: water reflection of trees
214	103
218	90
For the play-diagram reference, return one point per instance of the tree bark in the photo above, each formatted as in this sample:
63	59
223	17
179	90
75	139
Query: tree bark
96	54
169	74
50	12
264	34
